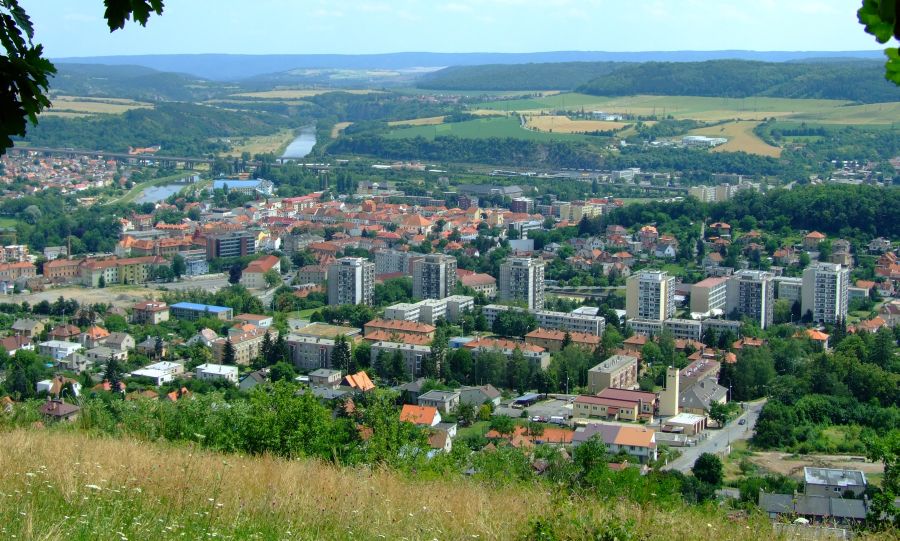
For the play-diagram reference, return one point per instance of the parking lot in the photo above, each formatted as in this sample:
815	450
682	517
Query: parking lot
556	406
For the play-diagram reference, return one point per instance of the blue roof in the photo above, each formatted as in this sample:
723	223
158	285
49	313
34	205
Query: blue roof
530	397
200	307
235	183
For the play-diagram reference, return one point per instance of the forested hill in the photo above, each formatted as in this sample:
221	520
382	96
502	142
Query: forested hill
855	80
135	82
549	76
861	81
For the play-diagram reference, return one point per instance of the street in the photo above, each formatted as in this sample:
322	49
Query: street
718	440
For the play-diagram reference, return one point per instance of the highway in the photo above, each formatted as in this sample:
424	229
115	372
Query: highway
718	440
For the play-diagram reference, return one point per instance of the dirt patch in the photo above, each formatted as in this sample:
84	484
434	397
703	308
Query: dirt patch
122	296
338	128
792	465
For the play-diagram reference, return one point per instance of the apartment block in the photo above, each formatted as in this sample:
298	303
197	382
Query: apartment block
788	288
708	295
310	353
434	276
547	319
351	280
618	371
751	293
825	292
522	280
650	294
230	244
246	345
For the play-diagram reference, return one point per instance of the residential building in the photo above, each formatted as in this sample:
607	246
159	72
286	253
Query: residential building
639	442
751	293
478	395
57	410
29	328
13	272
230	244
120	341
399	326
788	288
573	321
443	401
420	415
650	294
254	276
94	336
325	377
209	371
394	261
479	282
192	311
312	274
63	271
552	340
310	353
159	373
132	270
834	482
413	355
150	313
825	292
537	356
351	280
434	276
522	280
645	327
619	371
58	349
685	329
12	344
708	295
246	345
699	397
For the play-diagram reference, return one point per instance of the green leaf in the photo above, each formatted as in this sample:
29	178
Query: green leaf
892	66
118	12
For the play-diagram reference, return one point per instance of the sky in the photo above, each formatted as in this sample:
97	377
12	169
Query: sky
76	27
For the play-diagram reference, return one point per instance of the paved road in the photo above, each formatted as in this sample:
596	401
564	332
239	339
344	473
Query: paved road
718	439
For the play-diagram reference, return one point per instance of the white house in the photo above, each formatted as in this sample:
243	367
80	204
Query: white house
159	373
58	349
209	371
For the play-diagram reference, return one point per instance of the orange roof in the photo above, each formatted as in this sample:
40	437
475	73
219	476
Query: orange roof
360	381
819	336
262	264
815	235
418	415
632	435
398	325
401	337
577	337
549	435
96	332
499	343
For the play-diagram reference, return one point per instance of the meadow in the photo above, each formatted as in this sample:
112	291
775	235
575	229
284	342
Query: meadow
61	484
564	124
74	106
426	121
261	144
483	128
740	138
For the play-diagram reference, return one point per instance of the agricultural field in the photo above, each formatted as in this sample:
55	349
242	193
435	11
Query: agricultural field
261	144
75	106
483	128
708	109
297	94
338	128
427	121
564	124
740	138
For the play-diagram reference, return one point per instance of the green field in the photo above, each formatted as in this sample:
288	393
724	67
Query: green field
483	128
711	109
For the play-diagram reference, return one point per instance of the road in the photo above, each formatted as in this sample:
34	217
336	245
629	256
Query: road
718	439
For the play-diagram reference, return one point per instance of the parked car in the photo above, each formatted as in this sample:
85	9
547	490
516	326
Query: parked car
538	419
742	422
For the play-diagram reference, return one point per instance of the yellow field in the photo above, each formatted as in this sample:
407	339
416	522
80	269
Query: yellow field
244	102
261	144
487	112
427	121
564	124
338	128
294	94
740	138
74	105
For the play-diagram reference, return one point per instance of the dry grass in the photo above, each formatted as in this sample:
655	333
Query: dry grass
299	94
427	121
564	124
121	296
740	138
93	106
66	485
260	144
338	128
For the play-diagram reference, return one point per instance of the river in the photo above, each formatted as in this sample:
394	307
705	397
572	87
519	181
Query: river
302	145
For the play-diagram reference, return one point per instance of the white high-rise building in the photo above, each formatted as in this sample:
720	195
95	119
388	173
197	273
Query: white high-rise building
650	294
751	293
434	276
825	292
351	280
522	279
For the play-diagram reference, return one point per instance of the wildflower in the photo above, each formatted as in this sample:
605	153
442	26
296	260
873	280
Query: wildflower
93	487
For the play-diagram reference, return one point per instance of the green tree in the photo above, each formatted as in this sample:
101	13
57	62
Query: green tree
718	413
272	278
708	469
886	449
228	353
179	267
503	424
282	371
340	355
113	373
882	19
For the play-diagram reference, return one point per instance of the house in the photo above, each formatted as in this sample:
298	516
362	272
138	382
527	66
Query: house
65	332
522	437
29	328
102	354
153	347
159	373
482	394
58	349
57	410
420	415
263	322
204	336
212	372
409	392
834	482
440	441
636	441
120	341
251	380
254	276
358	382
444	401
325	377
812	239
150	313
56	385
94	336
12	344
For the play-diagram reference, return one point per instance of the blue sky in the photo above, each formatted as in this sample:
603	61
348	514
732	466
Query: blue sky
76	28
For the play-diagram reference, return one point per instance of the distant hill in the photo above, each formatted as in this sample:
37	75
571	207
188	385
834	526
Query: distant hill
861	81
549	76
131	81
229	67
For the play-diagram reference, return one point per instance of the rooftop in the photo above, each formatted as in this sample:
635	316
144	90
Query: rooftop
833	477
200	307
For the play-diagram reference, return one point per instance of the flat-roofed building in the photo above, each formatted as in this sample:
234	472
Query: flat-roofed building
351	280
413	355
825	292
619	371
834	482
547	319
310	353
751	293
709	294
209	371
788	288
434	276
150	312
522	280
190	311
685	329
650	294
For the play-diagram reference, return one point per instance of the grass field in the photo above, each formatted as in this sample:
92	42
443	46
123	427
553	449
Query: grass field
483	128
100	488
338	128
260	144
427	121
8	222
564	124
297	94
740	138
709	109
80	106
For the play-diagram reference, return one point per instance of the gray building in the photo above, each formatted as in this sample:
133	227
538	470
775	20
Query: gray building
434	276
310	353
650	294
825	292
751	293
522	280
394	261
351	280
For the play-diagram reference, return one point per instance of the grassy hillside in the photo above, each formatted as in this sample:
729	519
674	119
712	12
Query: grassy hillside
135	82
65	485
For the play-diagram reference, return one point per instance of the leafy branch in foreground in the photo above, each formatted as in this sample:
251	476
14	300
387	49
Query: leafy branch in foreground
882	19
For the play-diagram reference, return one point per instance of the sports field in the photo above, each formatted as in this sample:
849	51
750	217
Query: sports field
564	124
483	128
740	138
